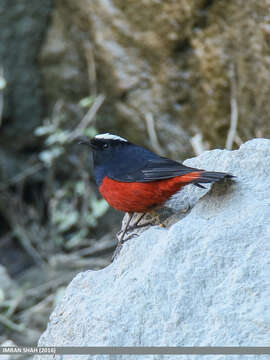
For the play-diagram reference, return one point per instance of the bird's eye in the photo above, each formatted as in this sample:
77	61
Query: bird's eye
105	146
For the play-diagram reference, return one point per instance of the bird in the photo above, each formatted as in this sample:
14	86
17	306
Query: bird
134	179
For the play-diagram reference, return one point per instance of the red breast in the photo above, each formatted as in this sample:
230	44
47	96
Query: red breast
141	197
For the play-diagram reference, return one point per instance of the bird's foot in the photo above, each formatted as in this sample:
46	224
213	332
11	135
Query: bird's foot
162	225
137	226
186	209
116	252
121	235
129	237
120	244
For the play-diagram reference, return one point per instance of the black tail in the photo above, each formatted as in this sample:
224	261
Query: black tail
210	177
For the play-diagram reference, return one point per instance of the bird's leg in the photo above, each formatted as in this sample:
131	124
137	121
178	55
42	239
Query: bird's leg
129	228
121	240
123	231
130	216
136	224
133	227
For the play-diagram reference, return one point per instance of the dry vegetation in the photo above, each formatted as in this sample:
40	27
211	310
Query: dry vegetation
55	228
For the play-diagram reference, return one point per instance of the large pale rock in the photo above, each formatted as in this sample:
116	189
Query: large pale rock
203	281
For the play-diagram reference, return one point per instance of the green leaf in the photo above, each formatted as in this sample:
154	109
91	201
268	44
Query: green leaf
47	156
3	83
90	131
86	102
99	207
60	137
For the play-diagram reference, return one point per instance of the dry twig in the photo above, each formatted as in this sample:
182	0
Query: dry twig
10	324
89	117
2	86
22	176
234	109
150	125
26	244
197	144
89	53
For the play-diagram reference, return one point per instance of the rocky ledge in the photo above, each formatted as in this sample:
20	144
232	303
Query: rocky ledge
203	281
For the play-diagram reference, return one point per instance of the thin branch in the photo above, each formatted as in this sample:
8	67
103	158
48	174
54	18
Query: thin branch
50	284
2	86
150	125
26	244
11	325
197	144
89	53
234	110
21	176
238	140
89	117
37	308
1	105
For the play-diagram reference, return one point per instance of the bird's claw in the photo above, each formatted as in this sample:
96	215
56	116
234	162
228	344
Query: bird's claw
136	226
120	244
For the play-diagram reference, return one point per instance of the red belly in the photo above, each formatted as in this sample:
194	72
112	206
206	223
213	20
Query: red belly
142	197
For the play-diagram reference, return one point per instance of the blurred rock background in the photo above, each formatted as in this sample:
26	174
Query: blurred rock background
178	76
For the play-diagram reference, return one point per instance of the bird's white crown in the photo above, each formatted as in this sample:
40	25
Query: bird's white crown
109	136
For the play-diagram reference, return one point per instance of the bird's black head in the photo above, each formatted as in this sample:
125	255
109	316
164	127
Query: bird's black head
107	151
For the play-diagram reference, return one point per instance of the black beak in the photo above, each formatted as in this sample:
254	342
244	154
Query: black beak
85	141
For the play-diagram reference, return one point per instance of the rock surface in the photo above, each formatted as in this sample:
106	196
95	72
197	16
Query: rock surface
203	281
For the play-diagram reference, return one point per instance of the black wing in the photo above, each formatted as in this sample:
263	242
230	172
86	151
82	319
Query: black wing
162	168
142	169
142	165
